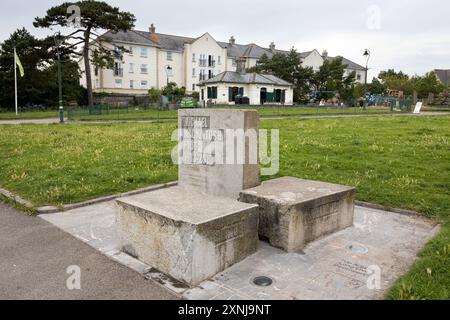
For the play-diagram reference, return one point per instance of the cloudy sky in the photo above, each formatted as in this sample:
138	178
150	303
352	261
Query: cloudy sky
408	35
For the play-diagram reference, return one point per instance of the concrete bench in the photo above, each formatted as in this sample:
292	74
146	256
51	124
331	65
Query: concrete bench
294	212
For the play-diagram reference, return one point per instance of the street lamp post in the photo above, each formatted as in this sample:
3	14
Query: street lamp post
367	55
168	72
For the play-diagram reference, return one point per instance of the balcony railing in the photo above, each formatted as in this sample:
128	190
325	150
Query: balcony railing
118	73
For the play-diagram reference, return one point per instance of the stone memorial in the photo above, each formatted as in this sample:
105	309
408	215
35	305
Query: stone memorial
294	212
198	228
218	211
227	137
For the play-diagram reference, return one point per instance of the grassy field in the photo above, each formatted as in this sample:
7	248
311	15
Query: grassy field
29	115
396	161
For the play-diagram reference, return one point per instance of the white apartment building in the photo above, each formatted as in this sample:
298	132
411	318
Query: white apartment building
156	58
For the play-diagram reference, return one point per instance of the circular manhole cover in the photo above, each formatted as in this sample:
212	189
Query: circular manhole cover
262	281
358	249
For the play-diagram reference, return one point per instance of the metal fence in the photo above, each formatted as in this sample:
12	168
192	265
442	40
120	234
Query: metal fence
395	104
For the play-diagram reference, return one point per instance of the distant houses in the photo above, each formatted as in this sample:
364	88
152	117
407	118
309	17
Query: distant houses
154	59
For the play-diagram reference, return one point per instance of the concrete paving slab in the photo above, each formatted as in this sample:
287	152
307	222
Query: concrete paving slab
326	269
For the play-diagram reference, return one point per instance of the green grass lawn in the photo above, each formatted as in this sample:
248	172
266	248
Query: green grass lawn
401	162
153	114
29	115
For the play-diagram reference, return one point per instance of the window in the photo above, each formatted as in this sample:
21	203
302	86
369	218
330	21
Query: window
118	83
193	73
117	52
233	62
144	84
169	56
210	74
233	92
202	60
144	52
202	74
96	71
97	83
358	77
211	62
193	87
131	50
131	84
131	68
212	92
193	57
118	71
144	68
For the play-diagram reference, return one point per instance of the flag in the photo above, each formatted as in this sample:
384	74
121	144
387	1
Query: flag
19	64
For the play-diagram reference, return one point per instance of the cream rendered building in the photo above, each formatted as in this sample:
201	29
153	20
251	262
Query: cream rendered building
156	58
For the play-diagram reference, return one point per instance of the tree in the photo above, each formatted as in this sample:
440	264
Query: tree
376	87
38	57
427	84
390	73
174	93
95	15
154	95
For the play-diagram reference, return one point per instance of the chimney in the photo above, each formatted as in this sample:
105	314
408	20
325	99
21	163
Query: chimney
325	54
153	36
272	46
232	41
240	62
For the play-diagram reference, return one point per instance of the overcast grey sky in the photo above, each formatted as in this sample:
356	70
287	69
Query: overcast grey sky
408	35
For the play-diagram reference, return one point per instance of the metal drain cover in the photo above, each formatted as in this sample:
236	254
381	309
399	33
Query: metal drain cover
358	249
262	281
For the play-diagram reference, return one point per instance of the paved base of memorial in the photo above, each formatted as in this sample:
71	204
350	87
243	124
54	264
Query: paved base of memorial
333	267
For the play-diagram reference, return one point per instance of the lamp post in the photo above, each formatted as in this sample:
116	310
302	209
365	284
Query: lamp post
367	55
169	73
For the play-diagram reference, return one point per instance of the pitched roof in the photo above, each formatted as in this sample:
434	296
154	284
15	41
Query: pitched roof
246	78
169	42
350	64
443	75
128	37
176	43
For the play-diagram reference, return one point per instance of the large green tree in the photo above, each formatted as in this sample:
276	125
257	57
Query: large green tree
95	16
38	57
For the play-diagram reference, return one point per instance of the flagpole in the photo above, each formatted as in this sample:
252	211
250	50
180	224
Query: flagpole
15	80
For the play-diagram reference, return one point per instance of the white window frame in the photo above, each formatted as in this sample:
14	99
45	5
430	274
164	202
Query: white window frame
118	83
144	52
194	74
144	68
131	84
169	56
193	58
131	49
144	86
131	67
